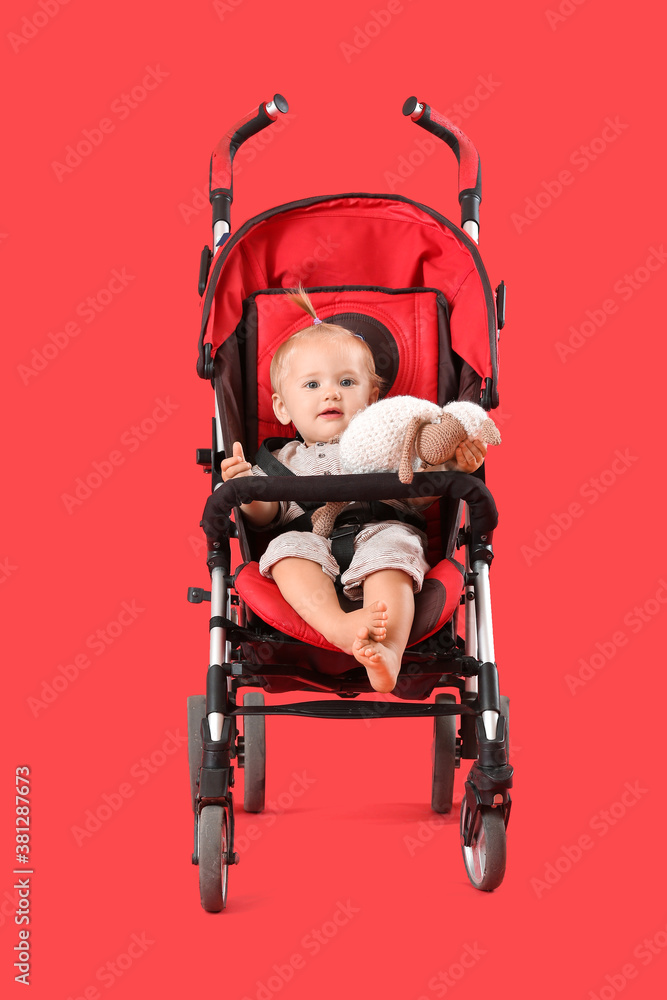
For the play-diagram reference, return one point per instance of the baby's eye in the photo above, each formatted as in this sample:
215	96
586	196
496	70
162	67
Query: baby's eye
312	385
347	381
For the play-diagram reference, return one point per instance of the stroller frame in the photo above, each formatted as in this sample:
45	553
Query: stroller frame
469	667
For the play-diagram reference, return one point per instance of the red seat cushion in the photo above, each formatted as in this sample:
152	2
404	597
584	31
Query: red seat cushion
434	605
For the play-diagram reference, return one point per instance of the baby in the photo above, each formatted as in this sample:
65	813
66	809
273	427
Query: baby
321	377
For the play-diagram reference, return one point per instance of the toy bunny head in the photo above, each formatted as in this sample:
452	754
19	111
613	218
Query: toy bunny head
400	433
435	443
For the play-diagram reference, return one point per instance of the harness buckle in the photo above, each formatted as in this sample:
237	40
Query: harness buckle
342	540
351	526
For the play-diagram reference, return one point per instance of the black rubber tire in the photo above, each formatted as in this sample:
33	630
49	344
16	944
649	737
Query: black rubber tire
213	866
196	712
505	710
254	750
444	756
486	858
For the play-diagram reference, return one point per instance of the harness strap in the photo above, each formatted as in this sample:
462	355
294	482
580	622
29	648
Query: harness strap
348	524
269	464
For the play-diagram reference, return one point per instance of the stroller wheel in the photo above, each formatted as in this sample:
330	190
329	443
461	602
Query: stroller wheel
485	858
254	750
196	712
213	866
444	757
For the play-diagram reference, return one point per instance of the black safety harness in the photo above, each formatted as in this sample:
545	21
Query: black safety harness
349	522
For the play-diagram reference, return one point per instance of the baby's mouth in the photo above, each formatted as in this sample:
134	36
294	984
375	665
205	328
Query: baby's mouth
331	413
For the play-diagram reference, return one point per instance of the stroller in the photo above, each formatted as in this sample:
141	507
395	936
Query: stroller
431	318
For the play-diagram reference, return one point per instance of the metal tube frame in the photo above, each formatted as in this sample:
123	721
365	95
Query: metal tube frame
479	624
220	648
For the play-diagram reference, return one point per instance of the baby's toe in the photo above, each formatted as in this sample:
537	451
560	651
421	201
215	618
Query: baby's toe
361	638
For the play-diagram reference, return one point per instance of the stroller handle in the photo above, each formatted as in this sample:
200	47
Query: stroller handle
470	171
376	486
220	177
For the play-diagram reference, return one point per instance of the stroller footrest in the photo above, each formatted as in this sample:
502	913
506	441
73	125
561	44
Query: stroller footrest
355	710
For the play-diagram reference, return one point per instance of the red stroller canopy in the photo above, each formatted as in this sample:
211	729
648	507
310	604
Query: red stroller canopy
381	241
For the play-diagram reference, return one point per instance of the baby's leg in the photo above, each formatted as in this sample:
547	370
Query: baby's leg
313	596
382	658
389	564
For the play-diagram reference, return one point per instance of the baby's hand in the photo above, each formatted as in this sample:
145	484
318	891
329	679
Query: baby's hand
468	456
236	465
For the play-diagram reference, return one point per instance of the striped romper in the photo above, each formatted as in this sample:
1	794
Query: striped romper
378	545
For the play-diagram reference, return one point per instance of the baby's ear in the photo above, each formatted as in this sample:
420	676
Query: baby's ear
280	409
374	395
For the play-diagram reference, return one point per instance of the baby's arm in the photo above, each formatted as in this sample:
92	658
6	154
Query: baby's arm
258	513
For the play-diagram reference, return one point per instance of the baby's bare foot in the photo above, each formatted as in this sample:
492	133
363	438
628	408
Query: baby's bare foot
344	629
374	618
382	662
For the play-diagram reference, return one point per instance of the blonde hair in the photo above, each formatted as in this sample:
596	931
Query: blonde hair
328	331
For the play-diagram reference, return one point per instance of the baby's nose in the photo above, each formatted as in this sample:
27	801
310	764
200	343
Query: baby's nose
332	391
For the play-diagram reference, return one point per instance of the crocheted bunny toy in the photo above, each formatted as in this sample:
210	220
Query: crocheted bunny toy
402	434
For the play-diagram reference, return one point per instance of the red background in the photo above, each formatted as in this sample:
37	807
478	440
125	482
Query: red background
136	538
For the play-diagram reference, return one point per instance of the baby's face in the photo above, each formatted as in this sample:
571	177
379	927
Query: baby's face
322	389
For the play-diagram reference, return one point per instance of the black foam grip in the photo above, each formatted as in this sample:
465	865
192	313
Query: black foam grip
381	486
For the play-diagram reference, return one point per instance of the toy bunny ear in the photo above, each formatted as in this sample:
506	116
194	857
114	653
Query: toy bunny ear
405	472
489	432
438	442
